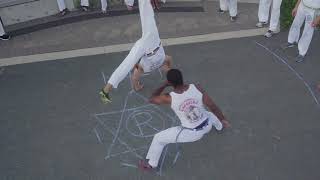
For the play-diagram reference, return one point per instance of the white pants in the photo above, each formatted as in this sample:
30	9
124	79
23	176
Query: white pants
307	15
161	139
129	2
2	32
263	13
230	5
104	5
62	4
149	41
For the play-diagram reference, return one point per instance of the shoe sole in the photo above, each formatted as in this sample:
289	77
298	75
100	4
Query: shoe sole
104	100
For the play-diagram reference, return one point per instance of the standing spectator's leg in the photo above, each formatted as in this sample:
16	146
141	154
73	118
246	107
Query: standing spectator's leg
294	32
233	8
104	5
275	19
3	34
307	34
275	15
129	4
85	5
263	13
61	5
223	6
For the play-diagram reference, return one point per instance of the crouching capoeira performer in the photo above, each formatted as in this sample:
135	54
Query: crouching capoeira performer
148	49
189	102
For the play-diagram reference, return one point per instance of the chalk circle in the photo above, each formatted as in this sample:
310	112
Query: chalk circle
142	119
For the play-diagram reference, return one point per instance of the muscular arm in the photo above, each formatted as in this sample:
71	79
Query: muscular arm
211	105
158	98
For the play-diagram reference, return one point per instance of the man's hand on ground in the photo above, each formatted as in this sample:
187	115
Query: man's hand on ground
225	123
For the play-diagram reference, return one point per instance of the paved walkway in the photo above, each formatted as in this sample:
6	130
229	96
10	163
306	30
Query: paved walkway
126	29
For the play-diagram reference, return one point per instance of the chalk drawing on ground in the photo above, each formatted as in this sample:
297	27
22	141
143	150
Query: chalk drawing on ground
128	132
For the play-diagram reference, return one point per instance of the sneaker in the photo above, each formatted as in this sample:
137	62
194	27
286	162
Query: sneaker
288	45
130	8
104	11
105	98
5	37
270	33
233	18
299	58
261	24
144	166
64	12
85	8
221	11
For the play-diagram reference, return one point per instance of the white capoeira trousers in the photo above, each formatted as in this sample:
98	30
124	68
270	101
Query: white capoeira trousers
129	2
230	5
307	15
161	139
2	32
61	5
263	13
104	5
149	41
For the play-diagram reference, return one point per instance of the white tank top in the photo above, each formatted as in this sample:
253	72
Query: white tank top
189	107
313	4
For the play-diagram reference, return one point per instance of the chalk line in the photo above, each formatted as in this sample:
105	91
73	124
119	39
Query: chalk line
97	135
129	109
104	77
120	123
120	141
129	165
293	70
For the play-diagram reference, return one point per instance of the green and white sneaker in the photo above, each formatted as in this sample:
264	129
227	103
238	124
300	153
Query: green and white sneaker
105	98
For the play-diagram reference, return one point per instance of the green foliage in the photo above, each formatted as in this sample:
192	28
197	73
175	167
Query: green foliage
286	9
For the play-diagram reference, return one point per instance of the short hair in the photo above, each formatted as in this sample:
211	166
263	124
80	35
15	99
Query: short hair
174	76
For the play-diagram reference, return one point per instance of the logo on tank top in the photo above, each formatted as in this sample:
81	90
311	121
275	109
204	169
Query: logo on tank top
192	110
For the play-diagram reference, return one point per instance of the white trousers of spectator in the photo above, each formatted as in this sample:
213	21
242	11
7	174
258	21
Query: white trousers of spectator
62	4
129	2
161	139
147	43
2	32
230	5
304	15
104	5
263	13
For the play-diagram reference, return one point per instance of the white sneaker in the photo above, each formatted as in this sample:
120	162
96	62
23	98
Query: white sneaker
271	33
261	24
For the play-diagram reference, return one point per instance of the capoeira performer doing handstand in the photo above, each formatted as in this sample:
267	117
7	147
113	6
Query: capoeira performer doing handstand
189	102
148	49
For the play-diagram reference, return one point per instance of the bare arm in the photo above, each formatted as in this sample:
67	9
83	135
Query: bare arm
158	98
207	100
295	9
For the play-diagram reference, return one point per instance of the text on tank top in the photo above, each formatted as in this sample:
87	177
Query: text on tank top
189	107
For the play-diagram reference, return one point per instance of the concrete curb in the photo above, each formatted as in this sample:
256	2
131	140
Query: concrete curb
77	16
127	47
